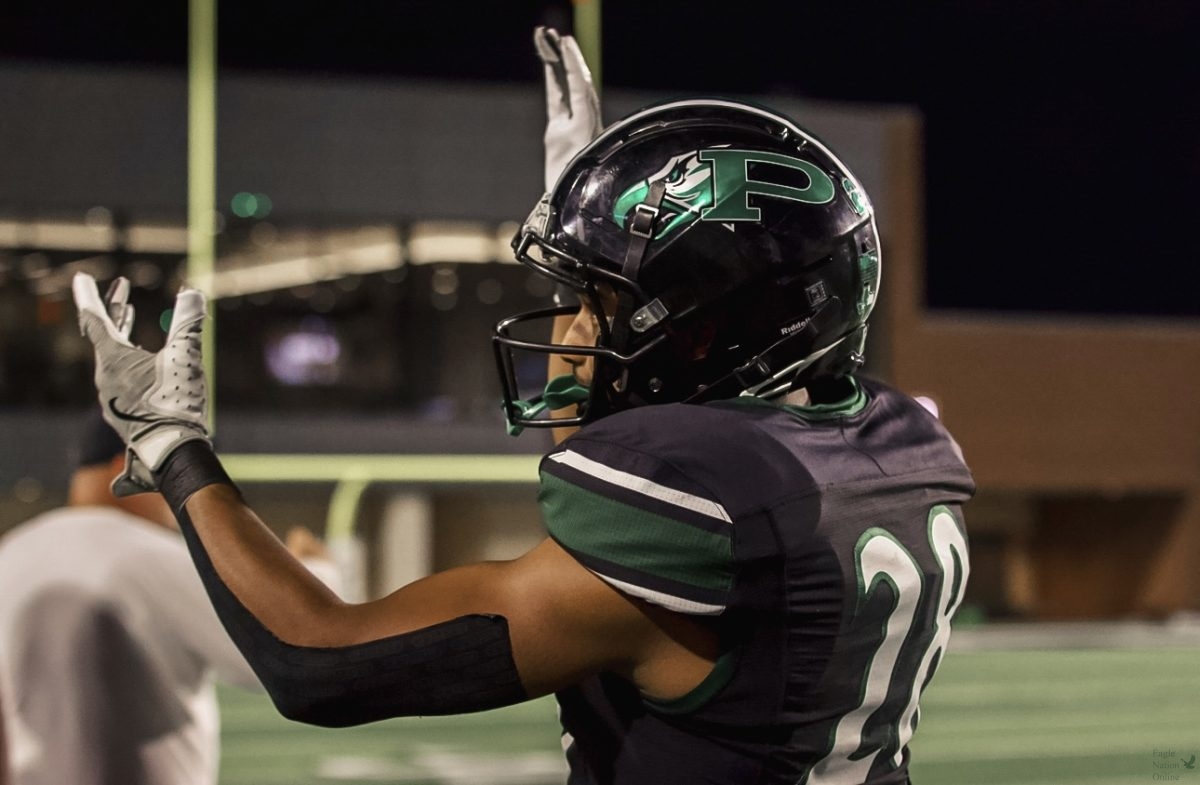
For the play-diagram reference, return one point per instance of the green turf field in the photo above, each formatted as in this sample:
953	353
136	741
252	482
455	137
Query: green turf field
1041	717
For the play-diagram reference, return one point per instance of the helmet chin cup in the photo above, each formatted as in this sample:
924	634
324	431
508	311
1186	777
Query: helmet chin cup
559	393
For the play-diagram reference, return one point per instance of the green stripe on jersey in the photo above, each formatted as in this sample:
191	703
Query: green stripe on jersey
592	524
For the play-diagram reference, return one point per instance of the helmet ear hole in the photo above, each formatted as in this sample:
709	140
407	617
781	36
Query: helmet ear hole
694	340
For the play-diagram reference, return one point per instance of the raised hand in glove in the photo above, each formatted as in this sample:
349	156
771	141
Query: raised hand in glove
572	120
156	402
572	106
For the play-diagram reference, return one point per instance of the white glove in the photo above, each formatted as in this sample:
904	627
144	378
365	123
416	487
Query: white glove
156	402
572	106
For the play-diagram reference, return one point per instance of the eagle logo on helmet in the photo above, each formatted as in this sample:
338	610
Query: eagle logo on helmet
689	189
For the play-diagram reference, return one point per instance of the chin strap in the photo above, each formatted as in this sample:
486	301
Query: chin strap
641	230
561	392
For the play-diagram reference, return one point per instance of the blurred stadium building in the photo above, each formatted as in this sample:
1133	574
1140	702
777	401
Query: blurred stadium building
365	196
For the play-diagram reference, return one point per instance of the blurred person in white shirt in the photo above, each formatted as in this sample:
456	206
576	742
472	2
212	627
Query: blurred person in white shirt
109	648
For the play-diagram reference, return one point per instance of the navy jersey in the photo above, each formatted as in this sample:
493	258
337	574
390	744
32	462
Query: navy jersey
823	544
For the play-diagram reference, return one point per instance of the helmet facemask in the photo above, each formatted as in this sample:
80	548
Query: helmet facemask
607	390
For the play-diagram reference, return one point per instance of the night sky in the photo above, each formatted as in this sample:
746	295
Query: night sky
1063	152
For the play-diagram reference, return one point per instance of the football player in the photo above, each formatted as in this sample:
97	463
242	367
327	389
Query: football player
754	553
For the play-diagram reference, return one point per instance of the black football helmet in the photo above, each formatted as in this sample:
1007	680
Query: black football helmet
742	253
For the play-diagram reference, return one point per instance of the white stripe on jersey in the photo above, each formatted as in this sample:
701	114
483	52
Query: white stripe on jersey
668	601
641	485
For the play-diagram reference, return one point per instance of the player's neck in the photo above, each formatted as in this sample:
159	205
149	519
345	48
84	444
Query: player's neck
797	398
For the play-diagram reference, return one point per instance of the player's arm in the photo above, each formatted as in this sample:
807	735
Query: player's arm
467	639
178	602
573	120
462	641
562	622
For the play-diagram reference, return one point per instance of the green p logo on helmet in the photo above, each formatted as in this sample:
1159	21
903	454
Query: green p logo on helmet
715	185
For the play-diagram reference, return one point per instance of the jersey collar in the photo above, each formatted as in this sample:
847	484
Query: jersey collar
854	402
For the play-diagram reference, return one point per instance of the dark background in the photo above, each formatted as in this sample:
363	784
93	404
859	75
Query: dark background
1055	130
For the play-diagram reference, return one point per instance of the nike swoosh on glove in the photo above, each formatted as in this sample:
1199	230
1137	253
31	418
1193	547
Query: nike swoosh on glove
155	401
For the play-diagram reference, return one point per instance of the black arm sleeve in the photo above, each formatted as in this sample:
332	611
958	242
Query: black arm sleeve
458	666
